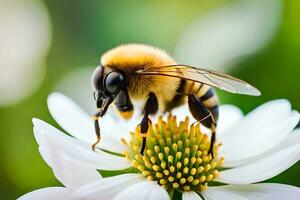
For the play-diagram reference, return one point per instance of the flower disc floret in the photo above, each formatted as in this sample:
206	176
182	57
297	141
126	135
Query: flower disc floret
176	155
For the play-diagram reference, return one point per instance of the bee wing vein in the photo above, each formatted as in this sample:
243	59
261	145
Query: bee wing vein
205	76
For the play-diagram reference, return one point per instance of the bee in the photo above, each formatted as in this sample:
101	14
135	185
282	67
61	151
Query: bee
138	71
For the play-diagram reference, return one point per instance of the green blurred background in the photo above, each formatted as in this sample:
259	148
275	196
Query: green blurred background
61	42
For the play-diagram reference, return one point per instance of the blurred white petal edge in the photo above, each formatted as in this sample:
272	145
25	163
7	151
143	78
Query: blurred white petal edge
25	37
77	85
229	33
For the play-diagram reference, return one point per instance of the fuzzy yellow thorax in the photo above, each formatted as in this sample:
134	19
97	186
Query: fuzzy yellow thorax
176	155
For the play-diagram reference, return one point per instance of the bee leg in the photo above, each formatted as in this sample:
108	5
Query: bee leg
97	129
144	129
205	116
151	107
102	110
212	140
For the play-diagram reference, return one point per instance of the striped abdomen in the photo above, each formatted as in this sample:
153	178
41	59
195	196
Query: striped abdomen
203	92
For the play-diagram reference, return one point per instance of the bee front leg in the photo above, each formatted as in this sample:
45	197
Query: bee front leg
102	104
151	107
97	129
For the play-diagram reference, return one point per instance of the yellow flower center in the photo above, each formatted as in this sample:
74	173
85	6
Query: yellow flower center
176	155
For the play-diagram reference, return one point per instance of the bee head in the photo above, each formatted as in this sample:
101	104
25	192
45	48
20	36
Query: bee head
107	84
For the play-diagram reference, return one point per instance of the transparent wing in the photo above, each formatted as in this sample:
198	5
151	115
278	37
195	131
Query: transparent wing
205	76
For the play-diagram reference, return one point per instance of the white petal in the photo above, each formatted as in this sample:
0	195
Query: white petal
190	196
71	174
147	190
260	131
79	124
277	109
220	193
253	147
229	115
107	188
262	191
51	193
290	140
262	169
75	150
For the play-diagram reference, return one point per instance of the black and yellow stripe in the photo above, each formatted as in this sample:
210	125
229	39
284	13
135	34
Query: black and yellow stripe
205	93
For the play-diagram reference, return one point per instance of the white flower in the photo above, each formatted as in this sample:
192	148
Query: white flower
71	173
255	148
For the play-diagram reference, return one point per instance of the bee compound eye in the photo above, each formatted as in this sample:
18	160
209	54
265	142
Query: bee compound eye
113	82
97	78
